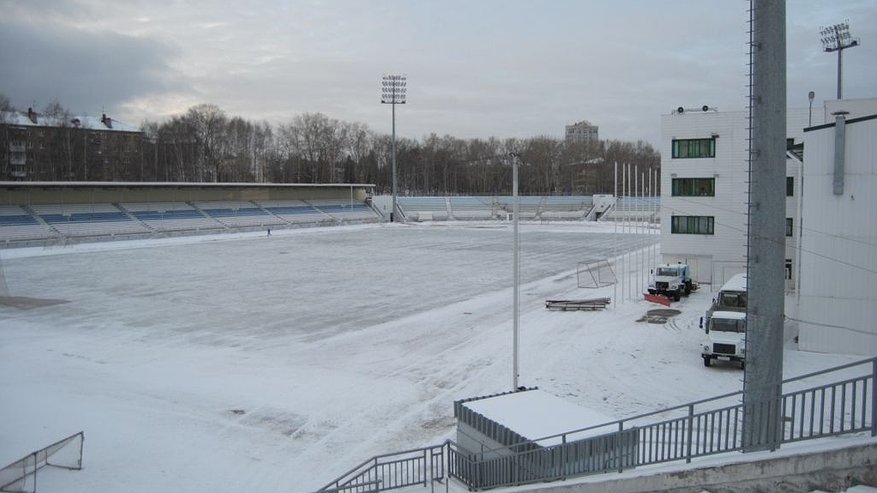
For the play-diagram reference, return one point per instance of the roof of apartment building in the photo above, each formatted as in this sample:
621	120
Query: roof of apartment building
31	118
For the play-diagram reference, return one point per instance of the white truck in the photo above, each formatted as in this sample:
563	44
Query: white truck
671	280
731	298
726	332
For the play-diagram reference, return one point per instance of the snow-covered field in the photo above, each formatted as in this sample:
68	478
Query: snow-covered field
273	364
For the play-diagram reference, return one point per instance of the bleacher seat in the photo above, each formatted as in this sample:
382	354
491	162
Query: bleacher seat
416	207
472	208
83	220
171	216
238	213
344	210
16	224
294	211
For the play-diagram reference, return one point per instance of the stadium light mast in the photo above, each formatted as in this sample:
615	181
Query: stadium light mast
393	89
837	38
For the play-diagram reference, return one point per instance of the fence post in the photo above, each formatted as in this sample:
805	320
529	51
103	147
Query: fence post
690	439
873	397
563	456
618	446
81	445
35	469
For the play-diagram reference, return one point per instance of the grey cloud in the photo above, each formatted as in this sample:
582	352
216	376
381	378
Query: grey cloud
84	70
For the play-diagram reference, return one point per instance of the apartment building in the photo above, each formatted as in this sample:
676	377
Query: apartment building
34	146
582	131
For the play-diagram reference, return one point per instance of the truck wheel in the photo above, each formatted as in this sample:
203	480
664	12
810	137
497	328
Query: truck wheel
706	361
677	295
742	365
687	289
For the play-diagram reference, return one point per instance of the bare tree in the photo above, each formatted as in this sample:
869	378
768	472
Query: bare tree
208	123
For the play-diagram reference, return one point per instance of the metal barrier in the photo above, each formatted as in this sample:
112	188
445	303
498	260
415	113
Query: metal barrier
21	475
697	429
391	471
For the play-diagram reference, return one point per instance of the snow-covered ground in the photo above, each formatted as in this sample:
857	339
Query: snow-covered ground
274	364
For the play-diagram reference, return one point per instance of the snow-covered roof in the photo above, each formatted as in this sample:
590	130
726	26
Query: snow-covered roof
102	123
730	315
535	414
736	283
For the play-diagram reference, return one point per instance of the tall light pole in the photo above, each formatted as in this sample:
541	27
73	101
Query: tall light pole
393	89
516	275
837	38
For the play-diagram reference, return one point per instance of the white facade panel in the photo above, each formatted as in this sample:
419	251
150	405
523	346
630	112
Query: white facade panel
837	305
854	107
726	247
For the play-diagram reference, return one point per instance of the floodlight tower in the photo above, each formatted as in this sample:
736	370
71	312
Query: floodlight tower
837	38
393	90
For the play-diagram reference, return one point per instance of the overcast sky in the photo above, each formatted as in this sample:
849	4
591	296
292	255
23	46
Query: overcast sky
476	68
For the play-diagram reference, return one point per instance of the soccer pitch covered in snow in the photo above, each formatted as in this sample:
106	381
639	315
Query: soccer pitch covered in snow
251	363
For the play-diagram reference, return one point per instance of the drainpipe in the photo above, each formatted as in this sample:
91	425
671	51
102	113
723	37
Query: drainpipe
840	131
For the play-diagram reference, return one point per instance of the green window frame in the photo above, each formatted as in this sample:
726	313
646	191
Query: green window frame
790	186
789	226
692	225
693	187
694	148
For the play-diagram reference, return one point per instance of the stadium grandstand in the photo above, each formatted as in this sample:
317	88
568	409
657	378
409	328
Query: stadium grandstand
46	213
43	213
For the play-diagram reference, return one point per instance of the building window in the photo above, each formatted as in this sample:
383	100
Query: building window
694	148
692	225
694	187
790	143
790	186
788	269
788	226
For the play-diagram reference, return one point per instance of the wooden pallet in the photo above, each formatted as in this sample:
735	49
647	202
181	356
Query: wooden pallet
592	304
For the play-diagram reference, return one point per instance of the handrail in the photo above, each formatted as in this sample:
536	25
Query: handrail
622	425
369	464
376	482
871	360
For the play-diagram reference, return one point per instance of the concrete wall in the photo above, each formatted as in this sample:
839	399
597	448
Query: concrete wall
832	470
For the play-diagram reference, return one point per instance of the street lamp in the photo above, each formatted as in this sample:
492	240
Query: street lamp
393	89
517	275
837	38
810	95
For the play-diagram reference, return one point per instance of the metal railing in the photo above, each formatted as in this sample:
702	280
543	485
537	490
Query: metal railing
811	407
420	466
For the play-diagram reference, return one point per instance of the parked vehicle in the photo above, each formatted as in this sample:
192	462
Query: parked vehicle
730	298
727	337
672	281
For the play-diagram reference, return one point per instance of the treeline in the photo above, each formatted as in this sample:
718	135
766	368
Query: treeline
206	145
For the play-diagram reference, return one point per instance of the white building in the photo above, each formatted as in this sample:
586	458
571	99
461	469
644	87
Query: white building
837	308
831	227
704	191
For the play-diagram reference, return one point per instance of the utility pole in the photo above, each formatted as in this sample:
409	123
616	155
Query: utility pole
765	262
